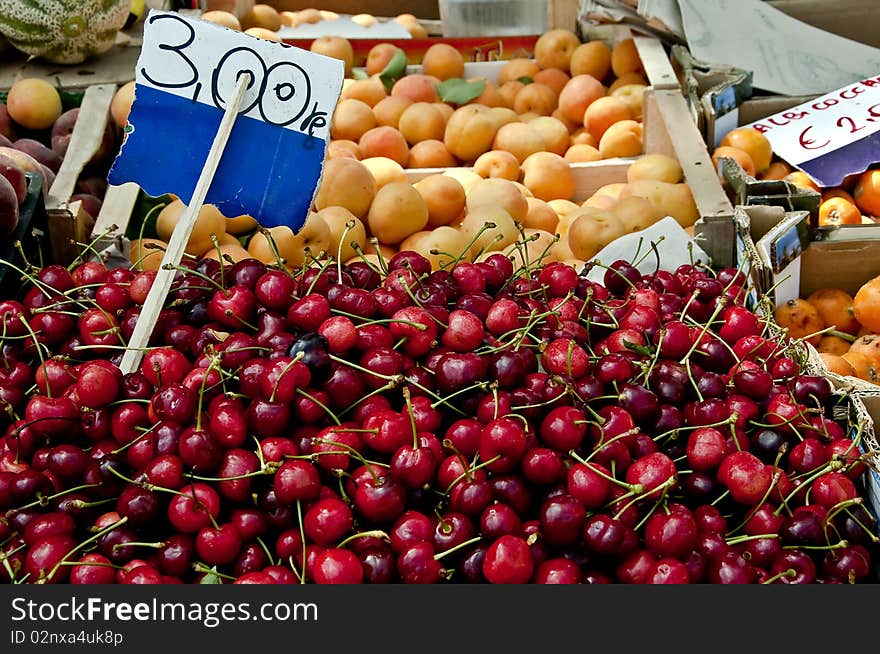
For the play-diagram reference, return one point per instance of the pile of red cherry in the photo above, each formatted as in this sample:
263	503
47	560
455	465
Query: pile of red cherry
480	424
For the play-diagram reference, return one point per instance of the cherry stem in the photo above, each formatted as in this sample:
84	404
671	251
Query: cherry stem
201	567
375	533
736	540
312	398
791	573
412	418
632	488
44	501
81	545
865	528
469	470
830	466
302	534
842	544
456	548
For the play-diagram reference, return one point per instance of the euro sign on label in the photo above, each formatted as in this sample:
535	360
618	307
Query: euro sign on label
272	163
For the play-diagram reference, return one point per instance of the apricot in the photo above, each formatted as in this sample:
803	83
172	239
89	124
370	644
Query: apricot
603	113
489	228
833	345
497	192
120	105
633	95
675	200
863	367
804	181
490	97
364	19
343	148
866	192
147	253
370	90
799	319
520	139
740	156
397	211
351	119
416	30
263	33
464	176
582	136
538	245
626	80
753	142
554	48
261	15
656	166
591	58
554	78
535	98
33	103
224	18
208	222
470	132
226	253
508	92
637	213
345	229
243	224
837	211
379	57
295	249
625	58
548	176
601	201
431	153
517	68
388	111
337	47
621	139
866	305
578	94
443	61
384	142
498	163
776	170
444	196
384	170
581	153
311	15
837	364
553	132
441	246
446	110
417	87
346	183
540	216
590	232
421	121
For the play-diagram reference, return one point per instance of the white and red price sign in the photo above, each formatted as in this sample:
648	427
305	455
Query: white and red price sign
832	136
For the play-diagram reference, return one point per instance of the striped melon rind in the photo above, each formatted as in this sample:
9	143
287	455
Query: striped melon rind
63	31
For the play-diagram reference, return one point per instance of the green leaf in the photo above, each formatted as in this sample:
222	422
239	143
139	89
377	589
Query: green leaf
211	578
142	223
525	80
359	73
459	91
394	70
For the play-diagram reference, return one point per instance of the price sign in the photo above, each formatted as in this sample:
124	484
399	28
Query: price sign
832	136
186	73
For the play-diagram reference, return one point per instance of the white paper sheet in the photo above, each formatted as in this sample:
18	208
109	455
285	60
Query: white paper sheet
787	56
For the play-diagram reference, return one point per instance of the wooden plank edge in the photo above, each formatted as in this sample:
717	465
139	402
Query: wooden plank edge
658	68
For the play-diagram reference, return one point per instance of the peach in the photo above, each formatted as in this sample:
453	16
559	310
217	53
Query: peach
397	211
621	139
497	163
379	56
540	216
345	229
591	58
636	213
497	192
9	213
42	154
370	90
553	131
364	19
343	148
444	196
441	246
15	176
535	98
224	18
346	183
633	95
581	153
589	233
421	121
674	200
579	93
261	15
431	153
146	253
603	113
311	15
625	58
443	61
417	87
554	78
660	167
388	110
509	90
7	129
554	48
337	47
470	132
384	142
384	170
489	228
33	103
351	119
548	176
28	165
520	139
120	105
516	68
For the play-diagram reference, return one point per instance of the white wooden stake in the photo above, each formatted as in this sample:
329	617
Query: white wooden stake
155	300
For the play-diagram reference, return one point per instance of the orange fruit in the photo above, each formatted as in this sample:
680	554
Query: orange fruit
833	345
829	193
837	364
800	319
866	305
801	180
837	211
753	142
869	347
863	367
742	157
776	170
866	192
835	306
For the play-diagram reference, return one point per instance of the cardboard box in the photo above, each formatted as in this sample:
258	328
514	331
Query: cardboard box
851	19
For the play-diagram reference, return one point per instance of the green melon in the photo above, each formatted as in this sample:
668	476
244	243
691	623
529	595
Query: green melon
63	31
